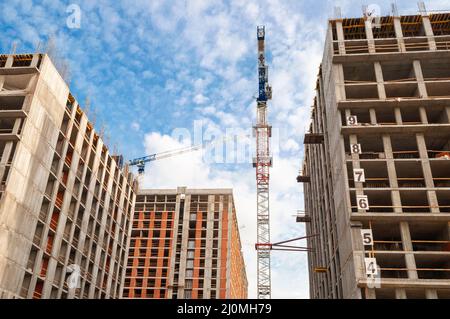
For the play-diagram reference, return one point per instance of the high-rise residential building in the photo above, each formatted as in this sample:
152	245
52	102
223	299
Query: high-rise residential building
185	244
66	203
376	171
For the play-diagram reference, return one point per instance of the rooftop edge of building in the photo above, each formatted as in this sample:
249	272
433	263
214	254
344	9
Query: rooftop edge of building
184	190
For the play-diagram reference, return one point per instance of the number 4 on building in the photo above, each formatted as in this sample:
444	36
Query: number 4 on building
371	266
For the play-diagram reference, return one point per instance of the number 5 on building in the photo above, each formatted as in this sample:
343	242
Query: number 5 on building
367	237
362	202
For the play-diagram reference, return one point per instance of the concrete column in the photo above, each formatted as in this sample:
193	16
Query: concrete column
408	248
370	293
427	174
355	161
4	158
398	116
35	60
16	126
423	115
431	294
340	37
373	116
447	111
400	293
208	249
399	34
338	71
420	81
369	35
9	61
380	81
429	32
395	194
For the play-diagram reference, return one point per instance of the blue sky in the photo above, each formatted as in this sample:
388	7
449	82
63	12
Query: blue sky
151	66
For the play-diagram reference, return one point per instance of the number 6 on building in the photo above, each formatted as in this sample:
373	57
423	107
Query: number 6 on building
362	202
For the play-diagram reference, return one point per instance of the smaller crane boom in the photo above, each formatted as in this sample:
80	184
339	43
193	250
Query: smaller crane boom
140	161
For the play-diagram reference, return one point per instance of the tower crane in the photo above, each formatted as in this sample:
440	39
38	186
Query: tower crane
262	163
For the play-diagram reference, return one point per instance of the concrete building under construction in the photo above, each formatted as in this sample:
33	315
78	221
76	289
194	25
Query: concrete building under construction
376	171
185	244
66	203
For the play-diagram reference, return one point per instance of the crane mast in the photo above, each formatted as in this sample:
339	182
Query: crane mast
262	162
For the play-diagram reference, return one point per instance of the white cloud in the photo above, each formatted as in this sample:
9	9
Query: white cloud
200	99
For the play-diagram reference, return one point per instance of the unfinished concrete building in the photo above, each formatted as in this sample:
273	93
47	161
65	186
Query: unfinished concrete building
66	204
185	244
376	170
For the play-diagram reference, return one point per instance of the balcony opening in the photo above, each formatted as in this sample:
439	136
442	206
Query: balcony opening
403	146
386	29
7	125
386	117
435	70
433	266
38	234
438	147
3	59
392	265
437	115
361	91
401	90
362	117
414	201
410	116
398	71
440	171
443	197
379	201
438	88
22	60
25	285
385	293
440	23
412	26
376	174
11	103
32	259
50	186
354	29
17	82
409	174
429	236
371	147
